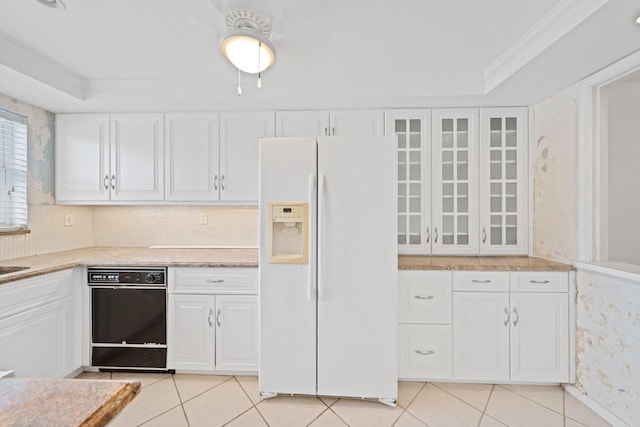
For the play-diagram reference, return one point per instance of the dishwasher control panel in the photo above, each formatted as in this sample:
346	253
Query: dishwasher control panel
126	276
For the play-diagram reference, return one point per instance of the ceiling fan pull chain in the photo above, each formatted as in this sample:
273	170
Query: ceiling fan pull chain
259	72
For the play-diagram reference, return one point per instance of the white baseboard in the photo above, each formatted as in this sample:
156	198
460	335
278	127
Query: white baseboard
604	413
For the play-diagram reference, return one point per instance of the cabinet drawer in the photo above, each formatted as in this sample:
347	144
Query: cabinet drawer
424	297
481	281
29	293
213	280
425	352
534	281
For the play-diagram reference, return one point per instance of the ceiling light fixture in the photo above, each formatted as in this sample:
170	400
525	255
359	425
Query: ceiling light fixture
638	20
54	4
246	44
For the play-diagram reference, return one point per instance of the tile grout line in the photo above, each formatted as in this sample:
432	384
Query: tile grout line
486	404
463	401
533	401
184	412
253	405
409	404
164	412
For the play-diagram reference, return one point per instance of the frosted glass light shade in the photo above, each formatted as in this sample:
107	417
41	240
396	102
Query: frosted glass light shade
241	48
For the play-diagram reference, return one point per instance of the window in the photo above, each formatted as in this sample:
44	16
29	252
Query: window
13	171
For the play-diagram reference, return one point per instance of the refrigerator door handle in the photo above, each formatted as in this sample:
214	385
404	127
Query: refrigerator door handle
320	232
312	197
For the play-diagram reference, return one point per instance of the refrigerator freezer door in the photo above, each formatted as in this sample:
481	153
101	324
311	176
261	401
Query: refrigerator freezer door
358	268
287	304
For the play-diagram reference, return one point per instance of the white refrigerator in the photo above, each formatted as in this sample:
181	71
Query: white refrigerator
328	267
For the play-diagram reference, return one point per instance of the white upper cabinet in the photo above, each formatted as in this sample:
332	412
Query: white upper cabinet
462	180
239	134
330	123
101	158
137	157
413	131
455	182
503	181
192	160
82	157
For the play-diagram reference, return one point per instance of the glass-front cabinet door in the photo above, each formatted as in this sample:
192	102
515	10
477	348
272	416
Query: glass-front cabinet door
413	131
454	182
503	181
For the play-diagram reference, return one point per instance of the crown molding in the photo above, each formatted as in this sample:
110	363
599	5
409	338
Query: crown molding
27	62
559	21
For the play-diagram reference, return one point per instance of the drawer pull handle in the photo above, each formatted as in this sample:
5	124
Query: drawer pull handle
424	353
506	320
480	281
539	282
215	280
421	297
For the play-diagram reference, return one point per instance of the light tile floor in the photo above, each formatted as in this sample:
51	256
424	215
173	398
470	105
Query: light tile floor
183	400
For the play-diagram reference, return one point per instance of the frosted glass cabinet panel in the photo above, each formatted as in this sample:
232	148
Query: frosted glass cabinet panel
503	181
454	182
413	131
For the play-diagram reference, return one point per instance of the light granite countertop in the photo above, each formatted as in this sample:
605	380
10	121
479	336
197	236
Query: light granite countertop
241	257
51	402
130	256
478	263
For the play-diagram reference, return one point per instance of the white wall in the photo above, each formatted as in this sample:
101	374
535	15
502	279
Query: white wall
624	173
555	182
609	343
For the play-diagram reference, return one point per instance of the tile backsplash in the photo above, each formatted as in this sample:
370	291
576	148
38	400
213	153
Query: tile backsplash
131	226
48	233
175	225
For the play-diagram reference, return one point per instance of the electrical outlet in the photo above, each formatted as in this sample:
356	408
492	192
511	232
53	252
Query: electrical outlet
203	219
68	220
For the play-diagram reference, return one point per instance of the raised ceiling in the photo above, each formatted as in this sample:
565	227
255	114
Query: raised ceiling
163	55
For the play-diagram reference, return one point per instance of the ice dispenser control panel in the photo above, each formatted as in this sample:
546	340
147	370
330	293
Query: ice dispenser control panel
289	233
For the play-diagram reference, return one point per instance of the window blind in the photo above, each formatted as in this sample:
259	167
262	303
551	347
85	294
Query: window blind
13	171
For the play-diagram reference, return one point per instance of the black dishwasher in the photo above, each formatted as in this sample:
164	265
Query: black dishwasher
128	317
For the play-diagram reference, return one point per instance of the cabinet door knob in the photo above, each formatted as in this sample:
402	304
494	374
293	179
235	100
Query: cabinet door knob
215	182
435	235
506	313
209	317
113	182
517	316
424	353
428	235
333	131
484	235
106	182
421	297
218	317
326	131
222	182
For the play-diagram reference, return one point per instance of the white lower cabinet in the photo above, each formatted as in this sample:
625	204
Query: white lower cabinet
191	333
500	327
424	332
481	336
38	342
39	328
210	330
236	333
539	337
424	352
